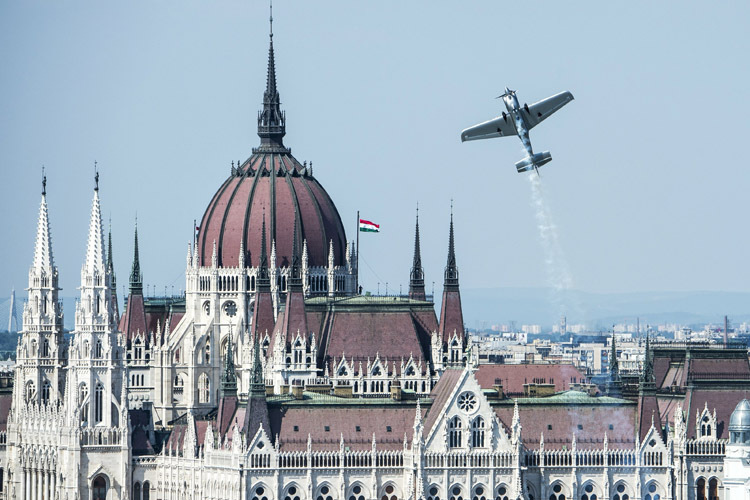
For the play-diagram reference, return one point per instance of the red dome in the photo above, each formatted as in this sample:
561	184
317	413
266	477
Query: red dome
271	182
277	185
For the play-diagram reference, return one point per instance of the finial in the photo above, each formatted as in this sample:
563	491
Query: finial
44	182
96	177
270	18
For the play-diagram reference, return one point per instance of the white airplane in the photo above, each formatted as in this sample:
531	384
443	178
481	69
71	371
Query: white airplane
518	121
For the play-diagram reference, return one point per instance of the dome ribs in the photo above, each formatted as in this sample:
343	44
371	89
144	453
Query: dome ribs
229	254
299	223
314	250
249	204
205	252
236	210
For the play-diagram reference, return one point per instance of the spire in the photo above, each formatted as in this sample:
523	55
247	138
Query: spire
229	376
451	270
95	247
110	262
416	282
263	279
43	248
257	385
271	120
295	278
136	278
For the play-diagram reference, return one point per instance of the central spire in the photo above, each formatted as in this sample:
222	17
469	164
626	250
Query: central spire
136	278
271	120
416	283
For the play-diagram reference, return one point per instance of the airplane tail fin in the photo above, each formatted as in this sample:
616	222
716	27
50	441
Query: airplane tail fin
534	161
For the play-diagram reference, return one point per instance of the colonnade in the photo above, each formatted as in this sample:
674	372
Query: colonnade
38	483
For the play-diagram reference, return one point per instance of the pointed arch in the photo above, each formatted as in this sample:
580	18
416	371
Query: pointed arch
622	491
325	492
293	491
356	491
590	491
501	492
558	491
477	432
653	491
455	430
389	491
261	492
434	492
480	492
456	492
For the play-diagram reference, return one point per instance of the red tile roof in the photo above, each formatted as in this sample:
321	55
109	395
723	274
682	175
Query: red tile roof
513	377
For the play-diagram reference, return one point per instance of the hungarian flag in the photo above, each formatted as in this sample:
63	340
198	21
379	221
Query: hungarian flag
368	227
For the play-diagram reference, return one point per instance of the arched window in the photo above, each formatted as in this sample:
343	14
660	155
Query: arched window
477	433
324	493
454	432
456	493
356	493
208	350
557	492
293	493
137	491
259	493
146	490
389	493
651	493
588	492
98	353
45	348
479	493
99	404
99	488
501	493
45	391
700	486
30	391
713	489
620	493
204	389
433	493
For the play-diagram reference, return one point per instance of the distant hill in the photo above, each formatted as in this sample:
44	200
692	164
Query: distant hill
545	306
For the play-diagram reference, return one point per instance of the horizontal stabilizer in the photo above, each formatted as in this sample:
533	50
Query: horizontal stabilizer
535	161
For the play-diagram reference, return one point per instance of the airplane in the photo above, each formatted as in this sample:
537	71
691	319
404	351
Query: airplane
518	121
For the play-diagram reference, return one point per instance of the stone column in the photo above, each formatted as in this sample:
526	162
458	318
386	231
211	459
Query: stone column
24	477
33	484
43	482
54	485
39	490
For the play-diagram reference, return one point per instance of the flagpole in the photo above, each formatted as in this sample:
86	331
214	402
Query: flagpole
356	284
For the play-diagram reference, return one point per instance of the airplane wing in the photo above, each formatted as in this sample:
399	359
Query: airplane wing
501	126
539	111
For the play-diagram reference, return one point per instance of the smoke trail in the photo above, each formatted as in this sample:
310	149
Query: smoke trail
558	271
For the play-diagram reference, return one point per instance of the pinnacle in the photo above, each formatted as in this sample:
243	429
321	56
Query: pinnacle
43	258
95	247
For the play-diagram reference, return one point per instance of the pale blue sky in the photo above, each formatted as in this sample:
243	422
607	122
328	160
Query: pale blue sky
648	184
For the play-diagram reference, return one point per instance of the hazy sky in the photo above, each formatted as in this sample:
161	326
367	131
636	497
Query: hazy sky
647	187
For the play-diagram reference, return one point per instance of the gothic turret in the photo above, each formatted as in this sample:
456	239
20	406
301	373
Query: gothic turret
111	271
256	414
136	278
96	344
416	281
39	355
229	374
451	313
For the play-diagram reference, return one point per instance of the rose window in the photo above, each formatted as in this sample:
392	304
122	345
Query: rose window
467	402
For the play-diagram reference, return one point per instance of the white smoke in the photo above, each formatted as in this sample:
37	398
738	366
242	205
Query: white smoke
559	277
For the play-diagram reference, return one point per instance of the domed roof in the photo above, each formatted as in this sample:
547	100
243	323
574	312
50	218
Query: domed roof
740	419
271	184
